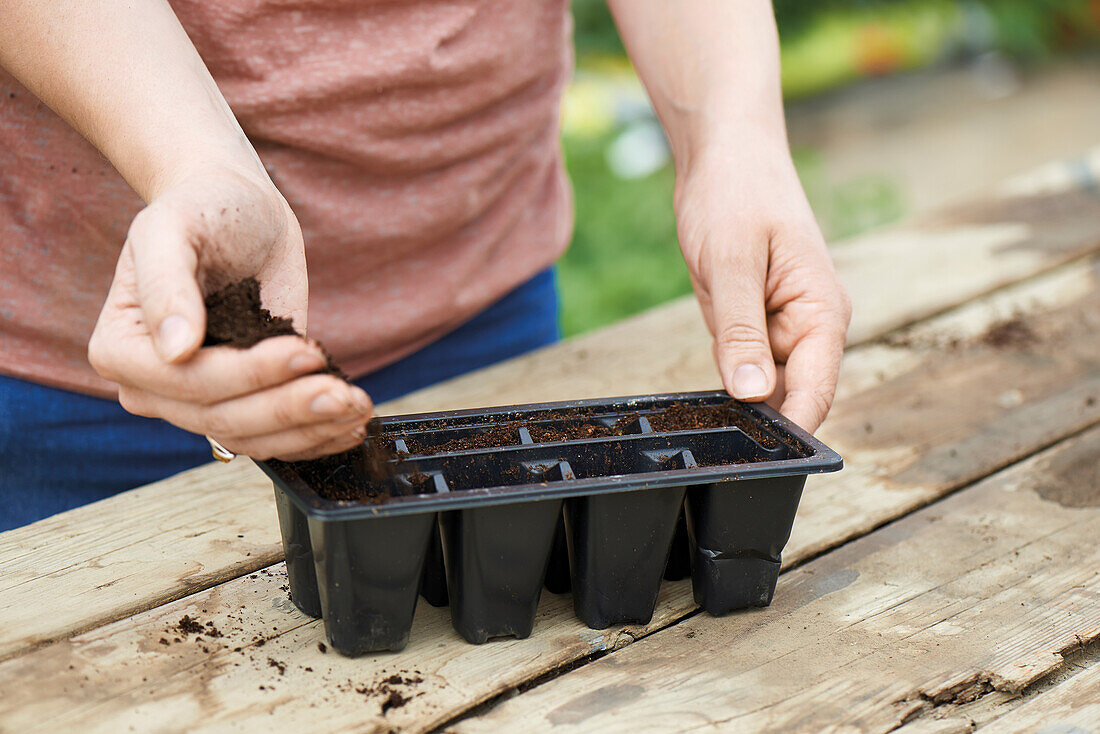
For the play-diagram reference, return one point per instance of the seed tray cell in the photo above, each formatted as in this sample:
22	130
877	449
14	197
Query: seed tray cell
584	496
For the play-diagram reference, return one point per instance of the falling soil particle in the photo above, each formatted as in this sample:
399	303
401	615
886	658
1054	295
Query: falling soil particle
322	647
280	666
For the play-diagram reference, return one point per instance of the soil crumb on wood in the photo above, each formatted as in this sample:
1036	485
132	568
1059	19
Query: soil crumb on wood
393	691
188	625
1012	333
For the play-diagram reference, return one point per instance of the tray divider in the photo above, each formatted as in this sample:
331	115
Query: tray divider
643	425
525	436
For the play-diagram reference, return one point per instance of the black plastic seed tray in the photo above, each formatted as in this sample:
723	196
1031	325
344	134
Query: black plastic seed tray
607	517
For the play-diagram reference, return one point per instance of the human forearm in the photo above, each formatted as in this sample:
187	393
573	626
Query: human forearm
757	259
711	68
126	77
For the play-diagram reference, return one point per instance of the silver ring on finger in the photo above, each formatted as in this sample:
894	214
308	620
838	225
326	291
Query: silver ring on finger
221	453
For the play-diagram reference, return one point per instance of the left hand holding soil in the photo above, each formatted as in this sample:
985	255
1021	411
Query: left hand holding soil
262	401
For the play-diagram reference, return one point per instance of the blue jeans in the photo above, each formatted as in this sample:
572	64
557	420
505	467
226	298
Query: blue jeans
60	449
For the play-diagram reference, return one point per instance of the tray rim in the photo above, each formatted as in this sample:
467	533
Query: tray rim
821	459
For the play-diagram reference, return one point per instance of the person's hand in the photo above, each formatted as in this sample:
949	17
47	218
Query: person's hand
208	230
764	280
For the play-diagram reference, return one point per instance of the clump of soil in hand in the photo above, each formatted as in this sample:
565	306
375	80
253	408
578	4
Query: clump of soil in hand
235	317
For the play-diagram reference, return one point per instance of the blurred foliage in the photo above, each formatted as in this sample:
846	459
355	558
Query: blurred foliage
1020	27
624	257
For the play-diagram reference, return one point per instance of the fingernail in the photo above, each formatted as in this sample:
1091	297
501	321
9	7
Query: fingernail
360	401
328	404
360	432
306	362
174	337
749	381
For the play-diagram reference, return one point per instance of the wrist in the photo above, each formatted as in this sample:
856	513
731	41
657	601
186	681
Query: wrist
726	137
234	159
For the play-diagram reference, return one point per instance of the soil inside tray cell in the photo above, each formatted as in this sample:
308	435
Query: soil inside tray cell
684	417
569	425
579	426
492	437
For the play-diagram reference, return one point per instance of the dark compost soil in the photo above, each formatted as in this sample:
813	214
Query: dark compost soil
492	437
683	417
235	317
1011	333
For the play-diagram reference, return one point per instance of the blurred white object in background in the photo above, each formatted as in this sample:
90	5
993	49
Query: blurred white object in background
639	150
995	76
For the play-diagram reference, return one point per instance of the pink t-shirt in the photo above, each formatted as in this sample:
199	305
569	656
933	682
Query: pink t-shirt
416	141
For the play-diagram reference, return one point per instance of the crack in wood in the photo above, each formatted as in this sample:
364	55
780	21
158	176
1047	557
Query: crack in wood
964	699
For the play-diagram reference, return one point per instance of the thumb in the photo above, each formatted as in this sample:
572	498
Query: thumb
741	329
166	277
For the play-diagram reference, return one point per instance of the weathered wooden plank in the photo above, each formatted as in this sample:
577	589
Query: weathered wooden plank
113	558
1072	706
982	591
885	475
1067	695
